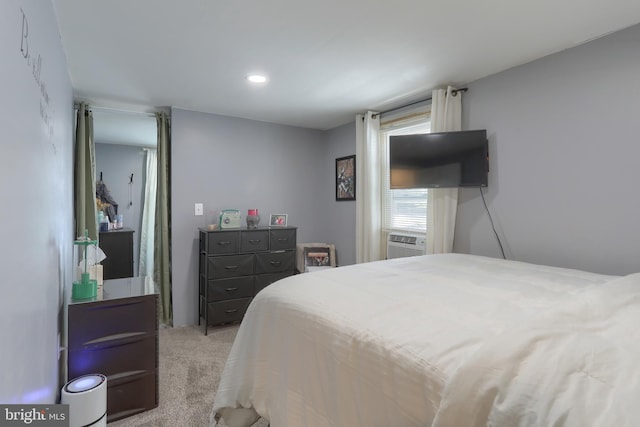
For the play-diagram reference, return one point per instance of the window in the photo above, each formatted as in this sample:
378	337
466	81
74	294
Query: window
403	209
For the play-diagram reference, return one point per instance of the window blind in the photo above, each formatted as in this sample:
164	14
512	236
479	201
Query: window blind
403	209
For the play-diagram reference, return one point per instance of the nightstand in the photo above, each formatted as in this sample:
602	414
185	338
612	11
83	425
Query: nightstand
117	336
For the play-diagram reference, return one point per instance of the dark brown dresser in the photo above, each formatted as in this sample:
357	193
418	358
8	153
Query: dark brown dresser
117	336
117	245
236	264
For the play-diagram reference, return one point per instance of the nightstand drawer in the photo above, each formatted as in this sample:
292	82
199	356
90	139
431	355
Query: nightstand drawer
101	320
222	267
117	358
226	289
227	242
273	262
131	395
254	241
282	239
227	311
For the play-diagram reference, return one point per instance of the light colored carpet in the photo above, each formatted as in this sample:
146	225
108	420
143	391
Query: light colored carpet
190	368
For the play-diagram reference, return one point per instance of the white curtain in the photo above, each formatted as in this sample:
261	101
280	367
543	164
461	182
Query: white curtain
368	188
442	203
148	215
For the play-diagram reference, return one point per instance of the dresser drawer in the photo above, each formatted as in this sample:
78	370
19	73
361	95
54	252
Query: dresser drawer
226	289
273	262
98	322
254	241
227	242
222	267
116	358
130	396
282	239
264	280
227	311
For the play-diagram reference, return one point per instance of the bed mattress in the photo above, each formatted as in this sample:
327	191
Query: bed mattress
442	340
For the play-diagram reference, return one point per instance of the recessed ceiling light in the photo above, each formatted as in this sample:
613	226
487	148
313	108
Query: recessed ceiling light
257	78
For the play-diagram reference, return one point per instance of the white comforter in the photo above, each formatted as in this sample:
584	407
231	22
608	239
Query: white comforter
449	340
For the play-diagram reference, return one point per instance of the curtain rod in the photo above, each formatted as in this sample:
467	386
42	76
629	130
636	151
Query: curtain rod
116	110
454	92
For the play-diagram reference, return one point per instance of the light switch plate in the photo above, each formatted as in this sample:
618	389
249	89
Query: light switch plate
199	209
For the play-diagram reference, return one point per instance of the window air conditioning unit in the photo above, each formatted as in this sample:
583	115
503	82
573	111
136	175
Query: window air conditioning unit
401	245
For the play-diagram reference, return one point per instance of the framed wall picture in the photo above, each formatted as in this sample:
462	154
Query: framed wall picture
346	178
278	220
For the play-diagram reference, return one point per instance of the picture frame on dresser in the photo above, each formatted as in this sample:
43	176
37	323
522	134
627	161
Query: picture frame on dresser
278	220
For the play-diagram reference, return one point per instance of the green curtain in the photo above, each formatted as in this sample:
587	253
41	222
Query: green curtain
85	174
162	238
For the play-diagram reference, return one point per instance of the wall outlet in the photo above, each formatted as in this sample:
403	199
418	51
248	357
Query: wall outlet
199	211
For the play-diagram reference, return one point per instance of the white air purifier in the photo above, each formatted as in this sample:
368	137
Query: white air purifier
87	400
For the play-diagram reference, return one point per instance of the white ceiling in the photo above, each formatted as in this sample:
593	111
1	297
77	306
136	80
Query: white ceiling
326	60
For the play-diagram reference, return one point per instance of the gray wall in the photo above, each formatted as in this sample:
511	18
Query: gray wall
117	163
340	224
36	182
232	163
564	147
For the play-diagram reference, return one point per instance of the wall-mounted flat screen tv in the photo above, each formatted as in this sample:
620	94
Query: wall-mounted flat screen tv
439	159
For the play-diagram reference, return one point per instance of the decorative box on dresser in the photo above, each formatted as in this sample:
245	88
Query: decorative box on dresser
117	336
235	264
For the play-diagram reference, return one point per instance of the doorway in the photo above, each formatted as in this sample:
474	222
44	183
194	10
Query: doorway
123	143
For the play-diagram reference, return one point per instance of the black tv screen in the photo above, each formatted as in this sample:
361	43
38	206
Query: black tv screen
439	159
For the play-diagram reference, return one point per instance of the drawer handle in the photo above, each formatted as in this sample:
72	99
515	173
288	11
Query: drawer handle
231	267
275	263
254	241
283	239
118	338
231	289
223	243
234	310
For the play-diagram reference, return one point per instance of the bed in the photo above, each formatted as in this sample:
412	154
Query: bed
439	340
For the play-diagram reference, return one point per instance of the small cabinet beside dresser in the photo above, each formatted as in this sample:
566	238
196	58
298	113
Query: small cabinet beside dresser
236	264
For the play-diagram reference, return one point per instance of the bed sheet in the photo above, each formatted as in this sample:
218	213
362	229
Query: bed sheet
378	344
